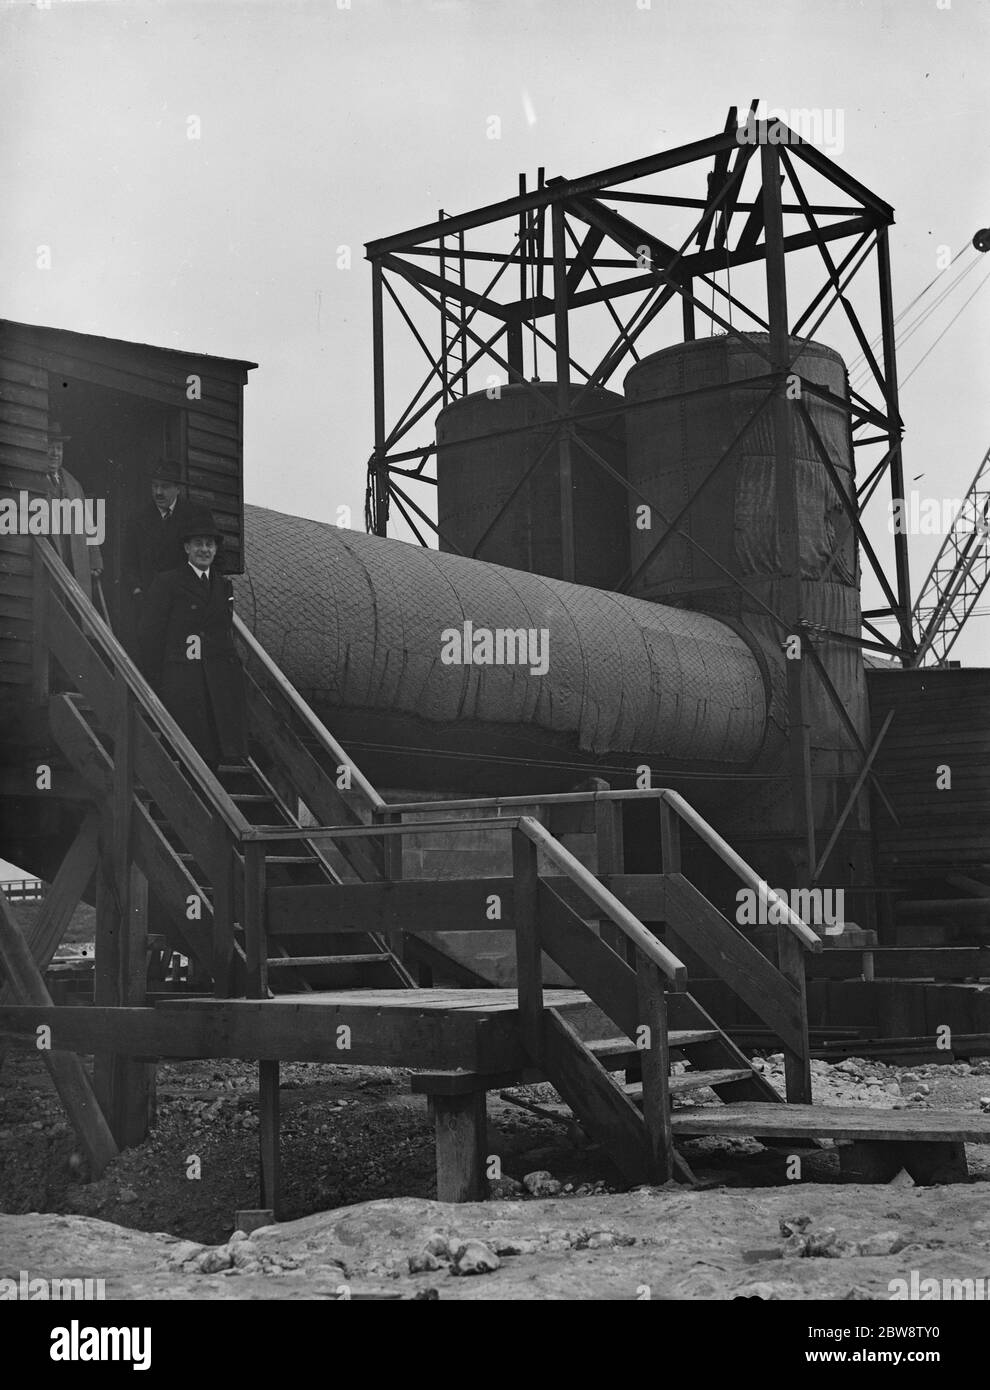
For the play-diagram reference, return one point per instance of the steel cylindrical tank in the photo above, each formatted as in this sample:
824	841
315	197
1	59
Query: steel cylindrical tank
676	439
499	485
690	403
387	642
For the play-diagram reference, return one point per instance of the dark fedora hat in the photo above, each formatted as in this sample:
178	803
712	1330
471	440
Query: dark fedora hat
167	469
200	523
55	434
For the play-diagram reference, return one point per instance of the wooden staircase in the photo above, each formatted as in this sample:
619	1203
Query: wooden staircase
301	964
283	876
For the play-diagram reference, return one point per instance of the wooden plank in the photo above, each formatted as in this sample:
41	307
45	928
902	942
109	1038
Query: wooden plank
432	904
903	963
161	380
836	1122
599	1103
460	1125
67	1072
586	959
80	661
13	370
736	960
191	819
285	1029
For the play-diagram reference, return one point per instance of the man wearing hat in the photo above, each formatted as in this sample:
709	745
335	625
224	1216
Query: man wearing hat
85	561
151	541
187	647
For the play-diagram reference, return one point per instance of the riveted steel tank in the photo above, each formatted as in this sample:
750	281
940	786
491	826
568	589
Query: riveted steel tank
498	482
674	442
690	404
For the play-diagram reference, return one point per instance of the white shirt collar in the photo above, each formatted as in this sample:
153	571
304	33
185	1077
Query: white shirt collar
169	509
198	572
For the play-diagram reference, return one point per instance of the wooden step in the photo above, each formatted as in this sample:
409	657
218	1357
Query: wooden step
620	1046
299	961
694	1081
835	1122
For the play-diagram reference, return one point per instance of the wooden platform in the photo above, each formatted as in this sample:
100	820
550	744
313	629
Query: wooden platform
476	1001
833	1122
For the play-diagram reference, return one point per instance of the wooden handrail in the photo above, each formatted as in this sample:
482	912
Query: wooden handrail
315	725
602	898
749	876
606	902
94	627
551	799
272	834
675	801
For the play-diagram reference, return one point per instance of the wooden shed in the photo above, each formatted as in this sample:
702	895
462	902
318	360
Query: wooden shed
123	405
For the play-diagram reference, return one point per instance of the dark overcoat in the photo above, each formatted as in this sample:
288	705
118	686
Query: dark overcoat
187	653
152	544
74	551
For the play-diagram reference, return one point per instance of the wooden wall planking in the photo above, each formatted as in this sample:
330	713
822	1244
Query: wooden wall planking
941	720
212	433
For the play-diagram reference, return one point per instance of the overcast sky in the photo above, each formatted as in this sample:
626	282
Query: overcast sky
324	124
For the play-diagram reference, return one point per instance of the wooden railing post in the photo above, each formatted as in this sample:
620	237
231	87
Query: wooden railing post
797	1065
655	1064
392	847
608	844
529	952
223	915
40	655
255	934
670	839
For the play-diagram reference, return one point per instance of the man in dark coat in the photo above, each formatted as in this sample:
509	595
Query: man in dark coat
187	647
151	541
85	561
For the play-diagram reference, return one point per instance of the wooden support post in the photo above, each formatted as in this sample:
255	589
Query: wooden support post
67	1071
461	1139
529	954
268	1135
106	980
256	937
655	1066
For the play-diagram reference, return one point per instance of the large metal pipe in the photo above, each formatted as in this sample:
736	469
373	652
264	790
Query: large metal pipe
364	627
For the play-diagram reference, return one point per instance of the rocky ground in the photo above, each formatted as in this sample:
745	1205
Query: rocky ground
359	1219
